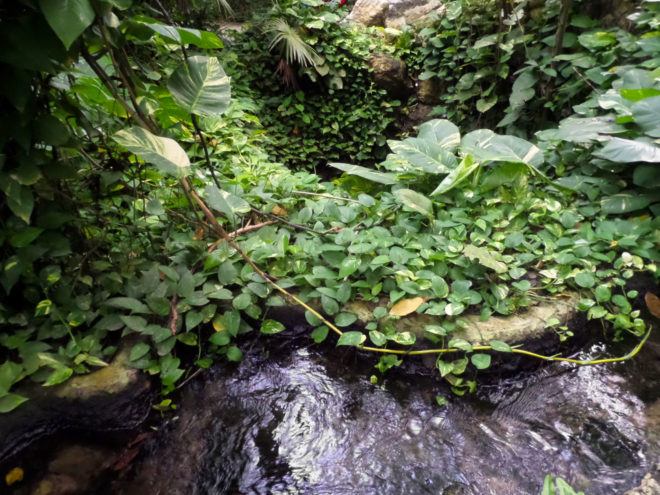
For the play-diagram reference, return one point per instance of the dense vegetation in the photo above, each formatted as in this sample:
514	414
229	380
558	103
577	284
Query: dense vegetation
142	196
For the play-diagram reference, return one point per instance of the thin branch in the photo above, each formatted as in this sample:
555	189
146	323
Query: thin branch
174	314
105	78
193	117
240	231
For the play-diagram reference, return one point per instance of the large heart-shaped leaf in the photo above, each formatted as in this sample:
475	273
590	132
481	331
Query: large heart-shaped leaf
164	153
583	130
201	86
485	145
366	173
647	115
425	154
227	203
68	18
629	151
441	132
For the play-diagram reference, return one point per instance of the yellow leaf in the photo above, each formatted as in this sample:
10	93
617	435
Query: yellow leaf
14	476
653	303
278	210
407	306
218	324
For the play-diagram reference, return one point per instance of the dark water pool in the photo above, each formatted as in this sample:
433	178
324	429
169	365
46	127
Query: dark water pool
300	421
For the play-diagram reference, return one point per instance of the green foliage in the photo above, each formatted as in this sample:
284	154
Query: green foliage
557	486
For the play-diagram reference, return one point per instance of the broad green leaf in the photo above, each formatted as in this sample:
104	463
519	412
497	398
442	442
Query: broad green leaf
603	293
597	39
426	155
583	130
624	202
378	338
487	258
320	334
10	372
345	319
234	354
352	338
523	88
200	86
366	173
639	94
460	344
485	145
180	35
348	266
139	351
10	402
585	279
131	303
19	199
458	175
628	151
647	176
415	201
68	18
647	115
25	236
441	132
271	327
480	361
485	104
226	203
403	338
165	153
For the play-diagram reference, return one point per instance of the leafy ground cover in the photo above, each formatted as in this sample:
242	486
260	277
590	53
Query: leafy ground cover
140	196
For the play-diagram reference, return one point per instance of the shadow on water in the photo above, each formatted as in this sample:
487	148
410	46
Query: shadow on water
307	421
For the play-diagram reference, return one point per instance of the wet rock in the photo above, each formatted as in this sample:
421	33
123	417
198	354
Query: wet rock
390	74
113	398
74	470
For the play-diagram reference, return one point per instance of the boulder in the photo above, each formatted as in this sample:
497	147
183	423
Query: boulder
394	13
390	74
650	484
369	12
115	397
429	91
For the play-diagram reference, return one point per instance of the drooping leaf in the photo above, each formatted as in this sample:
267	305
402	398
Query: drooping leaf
165	153
480	361
181	35
200	86
68	18
583	130
8	403
271	327
135	305
523	88
485	145
647	115
415	201
406	306
225	202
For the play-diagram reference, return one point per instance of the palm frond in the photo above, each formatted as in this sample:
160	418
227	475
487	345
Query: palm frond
293	47
224	7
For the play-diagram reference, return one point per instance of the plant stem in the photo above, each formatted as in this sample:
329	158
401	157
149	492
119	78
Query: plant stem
193	118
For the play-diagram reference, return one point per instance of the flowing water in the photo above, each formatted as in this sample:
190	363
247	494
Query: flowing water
299	420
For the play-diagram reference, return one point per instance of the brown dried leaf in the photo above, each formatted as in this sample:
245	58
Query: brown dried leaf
406	306
653	303
278	210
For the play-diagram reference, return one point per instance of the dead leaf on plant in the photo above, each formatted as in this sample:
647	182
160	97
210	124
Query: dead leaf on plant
407	306
653	303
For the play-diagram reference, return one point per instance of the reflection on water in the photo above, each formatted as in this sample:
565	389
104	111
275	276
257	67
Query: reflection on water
304	422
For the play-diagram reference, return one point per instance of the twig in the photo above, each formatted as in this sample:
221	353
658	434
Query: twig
174	314
295	225
597	91
240	231
329	196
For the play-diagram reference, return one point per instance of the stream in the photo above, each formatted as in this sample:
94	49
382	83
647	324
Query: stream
298	420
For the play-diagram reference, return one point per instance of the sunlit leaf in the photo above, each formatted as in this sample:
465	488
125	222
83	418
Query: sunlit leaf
200	86
165	153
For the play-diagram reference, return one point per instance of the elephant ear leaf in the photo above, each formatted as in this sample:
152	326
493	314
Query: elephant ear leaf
201	87
165	153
